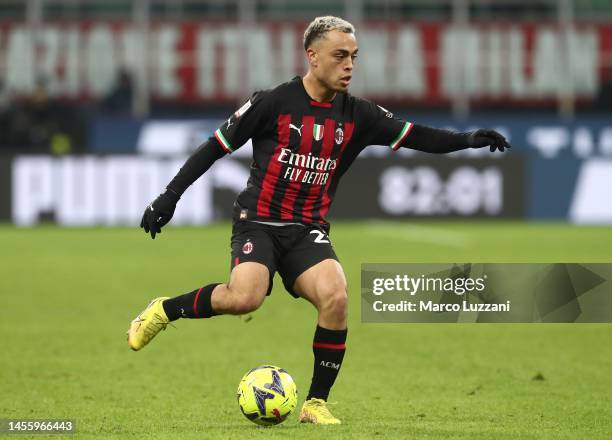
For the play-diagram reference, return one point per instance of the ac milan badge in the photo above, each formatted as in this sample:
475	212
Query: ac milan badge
339	135
247	248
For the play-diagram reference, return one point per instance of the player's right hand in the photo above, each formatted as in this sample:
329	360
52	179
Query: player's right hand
159	213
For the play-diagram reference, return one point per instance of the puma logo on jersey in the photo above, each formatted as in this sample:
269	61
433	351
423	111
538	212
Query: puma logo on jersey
330	365
299	130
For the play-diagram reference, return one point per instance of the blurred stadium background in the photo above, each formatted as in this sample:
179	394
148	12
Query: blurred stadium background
100	102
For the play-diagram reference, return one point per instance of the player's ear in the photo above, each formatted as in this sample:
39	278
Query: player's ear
311	54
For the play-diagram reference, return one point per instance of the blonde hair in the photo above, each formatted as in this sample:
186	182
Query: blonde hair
322	25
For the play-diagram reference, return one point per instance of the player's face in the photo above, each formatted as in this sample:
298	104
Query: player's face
332	60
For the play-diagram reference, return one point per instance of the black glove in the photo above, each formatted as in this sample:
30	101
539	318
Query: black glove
485	137
158	213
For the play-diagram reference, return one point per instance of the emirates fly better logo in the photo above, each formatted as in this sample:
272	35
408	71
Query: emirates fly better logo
306	168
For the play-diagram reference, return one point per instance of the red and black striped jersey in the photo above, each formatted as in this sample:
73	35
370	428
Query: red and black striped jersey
301	149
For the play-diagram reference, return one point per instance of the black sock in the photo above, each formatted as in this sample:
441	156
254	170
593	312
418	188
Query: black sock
328	348
194	304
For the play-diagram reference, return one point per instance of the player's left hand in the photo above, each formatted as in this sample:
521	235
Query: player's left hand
486	137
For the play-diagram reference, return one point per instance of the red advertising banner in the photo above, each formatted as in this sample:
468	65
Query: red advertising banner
224	61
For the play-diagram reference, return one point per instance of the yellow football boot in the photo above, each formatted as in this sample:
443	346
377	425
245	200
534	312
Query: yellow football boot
316	411
149	323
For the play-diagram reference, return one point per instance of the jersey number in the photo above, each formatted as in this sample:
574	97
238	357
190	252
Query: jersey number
320	238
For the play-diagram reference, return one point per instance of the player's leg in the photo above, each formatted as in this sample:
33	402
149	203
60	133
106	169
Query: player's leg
324	285
253	267
244	293
311	270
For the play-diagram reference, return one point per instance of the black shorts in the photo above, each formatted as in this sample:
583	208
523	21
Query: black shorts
289	249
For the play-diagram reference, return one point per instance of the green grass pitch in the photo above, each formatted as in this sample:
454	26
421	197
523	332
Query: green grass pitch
68	296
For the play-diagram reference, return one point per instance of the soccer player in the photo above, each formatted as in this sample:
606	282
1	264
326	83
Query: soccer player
306	133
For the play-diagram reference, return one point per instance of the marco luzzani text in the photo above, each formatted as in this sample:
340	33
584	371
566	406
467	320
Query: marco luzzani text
413	286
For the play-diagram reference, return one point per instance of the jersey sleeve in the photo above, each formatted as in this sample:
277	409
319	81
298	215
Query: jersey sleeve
381	127
247	122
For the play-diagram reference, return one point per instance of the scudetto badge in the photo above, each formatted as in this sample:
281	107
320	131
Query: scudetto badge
247	248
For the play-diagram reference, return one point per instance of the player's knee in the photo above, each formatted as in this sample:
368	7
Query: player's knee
247	303
247	296
336	301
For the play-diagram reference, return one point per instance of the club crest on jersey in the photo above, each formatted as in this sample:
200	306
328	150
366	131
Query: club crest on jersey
317	132
339	135
247	248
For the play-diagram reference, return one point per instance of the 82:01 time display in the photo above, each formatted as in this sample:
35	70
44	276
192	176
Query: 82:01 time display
424	191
